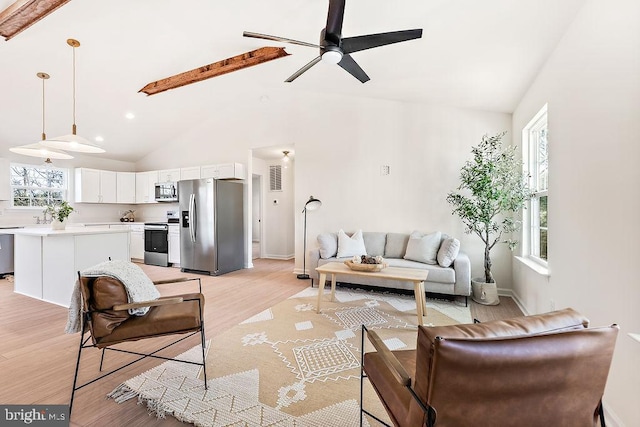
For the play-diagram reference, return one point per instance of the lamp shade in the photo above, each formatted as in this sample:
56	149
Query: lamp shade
73	142
39	150
312	204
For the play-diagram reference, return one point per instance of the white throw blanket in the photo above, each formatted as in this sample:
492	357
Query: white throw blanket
139	289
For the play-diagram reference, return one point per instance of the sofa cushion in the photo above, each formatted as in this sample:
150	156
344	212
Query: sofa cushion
396	245
423	247
350	246
328	245
374	242
448	251
436	273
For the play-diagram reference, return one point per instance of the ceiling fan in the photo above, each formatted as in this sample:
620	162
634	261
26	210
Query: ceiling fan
337	50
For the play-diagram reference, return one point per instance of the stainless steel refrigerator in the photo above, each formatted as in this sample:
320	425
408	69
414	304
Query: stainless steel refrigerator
211	226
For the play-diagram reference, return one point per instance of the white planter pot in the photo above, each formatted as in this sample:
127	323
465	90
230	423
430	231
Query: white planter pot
484	293
57	225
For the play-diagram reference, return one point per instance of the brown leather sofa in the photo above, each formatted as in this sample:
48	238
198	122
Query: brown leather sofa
548	369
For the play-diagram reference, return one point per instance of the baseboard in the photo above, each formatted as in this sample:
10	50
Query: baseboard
610	417
280	257
515	297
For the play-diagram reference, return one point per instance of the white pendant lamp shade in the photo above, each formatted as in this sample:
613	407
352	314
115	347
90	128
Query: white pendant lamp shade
39	150
73	142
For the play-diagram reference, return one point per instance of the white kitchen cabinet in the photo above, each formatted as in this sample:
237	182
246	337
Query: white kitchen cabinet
126	187
145	186
169	175
209	171
174	243
136	241
190	173
223	171
95	186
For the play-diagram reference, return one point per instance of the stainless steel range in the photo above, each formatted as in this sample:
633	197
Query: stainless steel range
156	243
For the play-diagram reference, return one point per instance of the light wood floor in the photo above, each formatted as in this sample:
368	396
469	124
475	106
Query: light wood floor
37	359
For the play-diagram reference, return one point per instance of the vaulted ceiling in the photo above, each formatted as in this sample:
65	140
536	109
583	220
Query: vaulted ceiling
473	54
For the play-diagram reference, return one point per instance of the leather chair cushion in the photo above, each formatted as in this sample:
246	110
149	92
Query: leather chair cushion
160	320
394	396
105	293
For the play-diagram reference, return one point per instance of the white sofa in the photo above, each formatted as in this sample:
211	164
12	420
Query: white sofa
453	280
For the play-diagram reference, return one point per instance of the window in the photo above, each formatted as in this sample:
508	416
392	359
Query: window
535	135
37	186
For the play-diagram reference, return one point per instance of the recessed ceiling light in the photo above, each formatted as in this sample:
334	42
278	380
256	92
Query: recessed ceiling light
130	116
99	139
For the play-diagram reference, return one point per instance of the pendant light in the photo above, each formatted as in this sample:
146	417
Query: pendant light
285	159
73	142
39	149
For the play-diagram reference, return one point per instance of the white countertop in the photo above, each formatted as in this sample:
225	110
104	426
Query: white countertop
69	231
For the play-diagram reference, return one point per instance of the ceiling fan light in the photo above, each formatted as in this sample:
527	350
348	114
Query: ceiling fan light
332	56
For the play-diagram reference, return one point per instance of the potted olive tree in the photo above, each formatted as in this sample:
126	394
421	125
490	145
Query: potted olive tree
59	214
492	189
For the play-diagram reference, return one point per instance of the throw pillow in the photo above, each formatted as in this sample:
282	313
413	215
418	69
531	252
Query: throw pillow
396	245
423	247
350	246
328	245
374	242
448	252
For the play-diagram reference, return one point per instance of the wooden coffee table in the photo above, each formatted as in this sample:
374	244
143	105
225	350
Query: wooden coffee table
391	273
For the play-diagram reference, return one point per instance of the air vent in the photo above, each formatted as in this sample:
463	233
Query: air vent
275	178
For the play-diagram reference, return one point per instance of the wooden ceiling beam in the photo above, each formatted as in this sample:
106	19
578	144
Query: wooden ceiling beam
24	13
225	66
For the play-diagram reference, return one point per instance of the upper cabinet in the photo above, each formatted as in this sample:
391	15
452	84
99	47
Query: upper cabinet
95	186
99	186
126	187
223	171
145	186
190	173
168	175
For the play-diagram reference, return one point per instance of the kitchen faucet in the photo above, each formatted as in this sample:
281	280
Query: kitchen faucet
37	219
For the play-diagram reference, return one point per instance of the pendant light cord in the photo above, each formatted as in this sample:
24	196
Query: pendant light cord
43	117
74	90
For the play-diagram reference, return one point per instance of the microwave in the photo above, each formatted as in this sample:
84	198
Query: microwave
166	192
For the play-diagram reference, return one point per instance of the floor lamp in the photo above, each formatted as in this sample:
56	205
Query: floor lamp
311	205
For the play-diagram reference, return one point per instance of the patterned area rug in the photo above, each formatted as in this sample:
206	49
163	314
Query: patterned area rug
288	366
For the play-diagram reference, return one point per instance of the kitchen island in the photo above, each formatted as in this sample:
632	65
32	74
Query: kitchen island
46	261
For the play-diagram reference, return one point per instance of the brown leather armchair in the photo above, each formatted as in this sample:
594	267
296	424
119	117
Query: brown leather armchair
549	369
105	316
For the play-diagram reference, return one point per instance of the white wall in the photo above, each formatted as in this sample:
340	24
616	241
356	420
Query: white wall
424	146
592	86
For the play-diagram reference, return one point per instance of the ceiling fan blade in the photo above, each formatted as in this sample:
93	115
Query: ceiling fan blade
335	15
352	67
277	39
356	44
303	69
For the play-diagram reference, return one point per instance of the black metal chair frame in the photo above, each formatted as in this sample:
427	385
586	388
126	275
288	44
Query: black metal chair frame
428	410
84	343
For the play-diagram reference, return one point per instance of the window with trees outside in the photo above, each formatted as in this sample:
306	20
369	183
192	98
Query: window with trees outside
37	186
536	136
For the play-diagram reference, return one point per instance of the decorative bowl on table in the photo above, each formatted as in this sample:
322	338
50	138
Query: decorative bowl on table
366	263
